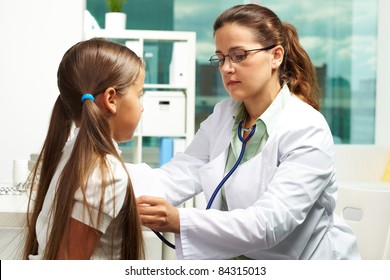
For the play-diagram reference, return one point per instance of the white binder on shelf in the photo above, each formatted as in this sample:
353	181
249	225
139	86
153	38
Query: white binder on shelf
178	68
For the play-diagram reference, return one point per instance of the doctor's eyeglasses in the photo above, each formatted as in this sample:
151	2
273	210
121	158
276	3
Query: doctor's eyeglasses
235	56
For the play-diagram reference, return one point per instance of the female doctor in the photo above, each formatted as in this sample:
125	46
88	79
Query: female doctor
278	202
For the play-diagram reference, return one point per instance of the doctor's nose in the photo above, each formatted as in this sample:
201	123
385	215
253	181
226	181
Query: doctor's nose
227	66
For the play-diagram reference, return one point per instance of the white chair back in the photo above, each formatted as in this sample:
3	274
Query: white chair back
366	209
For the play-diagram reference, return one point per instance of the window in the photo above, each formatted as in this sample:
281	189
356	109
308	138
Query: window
341	39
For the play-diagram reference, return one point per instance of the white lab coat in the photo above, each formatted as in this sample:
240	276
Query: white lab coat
280	202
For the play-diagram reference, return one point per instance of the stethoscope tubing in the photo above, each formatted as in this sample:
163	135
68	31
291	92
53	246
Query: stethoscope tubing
224	179
227	176
164	240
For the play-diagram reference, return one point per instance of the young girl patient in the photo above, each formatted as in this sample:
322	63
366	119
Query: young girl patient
84	206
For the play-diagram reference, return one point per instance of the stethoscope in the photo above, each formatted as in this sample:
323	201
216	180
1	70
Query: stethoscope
224	179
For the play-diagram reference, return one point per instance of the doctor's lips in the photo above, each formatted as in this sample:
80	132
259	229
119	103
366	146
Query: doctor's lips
231	82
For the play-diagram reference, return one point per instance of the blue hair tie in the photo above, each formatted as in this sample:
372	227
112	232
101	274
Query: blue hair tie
87	96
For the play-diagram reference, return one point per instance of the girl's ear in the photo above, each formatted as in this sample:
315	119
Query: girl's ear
109	100
277	56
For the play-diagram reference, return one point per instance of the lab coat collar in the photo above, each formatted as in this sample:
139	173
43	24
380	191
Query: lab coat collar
272	113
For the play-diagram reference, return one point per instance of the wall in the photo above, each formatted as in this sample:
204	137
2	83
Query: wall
34	35
382	117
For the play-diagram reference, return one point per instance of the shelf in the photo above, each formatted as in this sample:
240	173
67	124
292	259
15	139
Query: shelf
164	86
138	134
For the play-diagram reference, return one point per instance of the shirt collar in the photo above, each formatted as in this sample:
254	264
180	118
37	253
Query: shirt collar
271	114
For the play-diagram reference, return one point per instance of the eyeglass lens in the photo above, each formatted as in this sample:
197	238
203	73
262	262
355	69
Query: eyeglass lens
235	56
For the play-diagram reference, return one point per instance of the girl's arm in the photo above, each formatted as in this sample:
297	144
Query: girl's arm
78	242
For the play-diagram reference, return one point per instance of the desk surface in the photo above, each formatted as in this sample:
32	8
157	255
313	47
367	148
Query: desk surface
375	186
13	209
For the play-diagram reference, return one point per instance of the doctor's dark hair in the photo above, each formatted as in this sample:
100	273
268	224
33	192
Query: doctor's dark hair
90	66
296	69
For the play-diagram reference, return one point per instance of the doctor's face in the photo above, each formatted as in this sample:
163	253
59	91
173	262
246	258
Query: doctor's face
251	76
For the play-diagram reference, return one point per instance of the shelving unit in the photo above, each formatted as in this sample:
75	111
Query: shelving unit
178	49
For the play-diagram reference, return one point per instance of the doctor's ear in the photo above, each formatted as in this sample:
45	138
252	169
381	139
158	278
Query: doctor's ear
109	100
277	56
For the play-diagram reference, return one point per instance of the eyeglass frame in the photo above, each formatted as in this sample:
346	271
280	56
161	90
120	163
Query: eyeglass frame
232	60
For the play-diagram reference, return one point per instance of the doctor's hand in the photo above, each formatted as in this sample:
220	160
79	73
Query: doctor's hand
158	214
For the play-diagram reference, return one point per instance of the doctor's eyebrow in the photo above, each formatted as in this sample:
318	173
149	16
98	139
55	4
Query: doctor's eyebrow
231	49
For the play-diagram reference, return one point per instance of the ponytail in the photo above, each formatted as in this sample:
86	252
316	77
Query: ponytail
49	157
297	69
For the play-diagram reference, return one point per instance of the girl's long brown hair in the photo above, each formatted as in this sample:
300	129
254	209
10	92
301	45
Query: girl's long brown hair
297	69
90	66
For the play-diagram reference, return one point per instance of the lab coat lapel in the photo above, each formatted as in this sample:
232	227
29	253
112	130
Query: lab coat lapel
247	184
210	175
